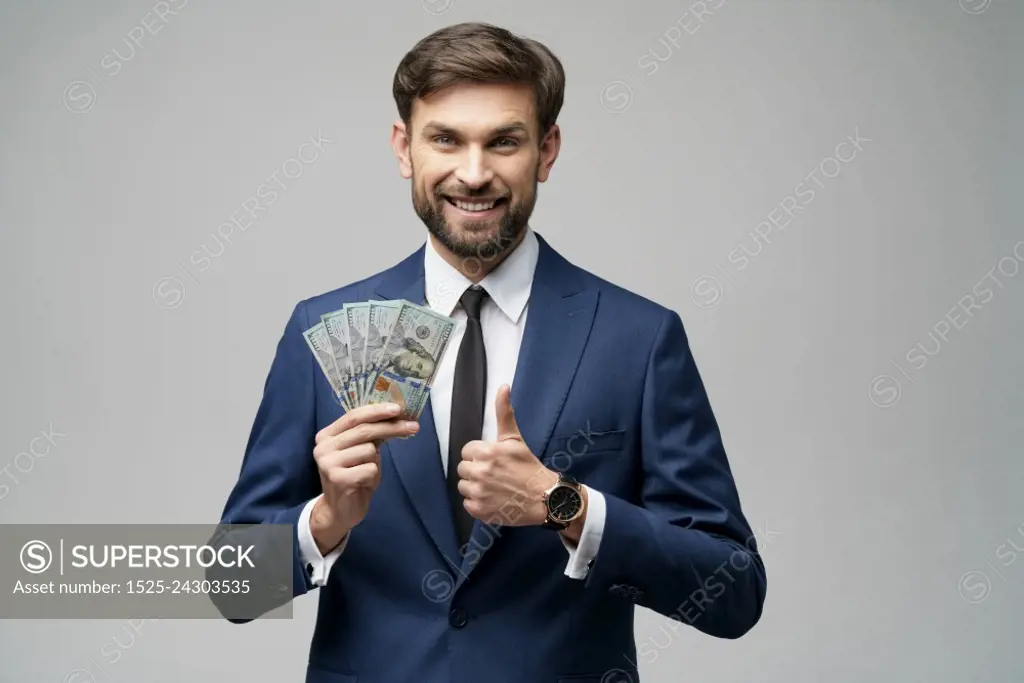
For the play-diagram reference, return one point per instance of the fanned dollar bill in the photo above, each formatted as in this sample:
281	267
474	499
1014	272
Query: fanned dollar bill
381	351
380	322
356	316
318	342
336	325
412	354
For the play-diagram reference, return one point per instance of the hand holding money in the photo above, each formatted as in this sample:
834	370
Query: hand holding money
347	456
381	352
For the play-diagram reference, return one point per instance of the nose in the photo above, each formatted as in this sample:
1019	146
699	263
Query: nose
473	170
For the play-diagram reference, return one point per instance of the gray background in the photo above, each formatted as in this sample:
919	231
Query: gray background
877	486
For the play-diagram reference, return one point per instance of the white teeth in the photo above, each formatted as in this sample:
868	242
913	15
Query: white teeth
466	206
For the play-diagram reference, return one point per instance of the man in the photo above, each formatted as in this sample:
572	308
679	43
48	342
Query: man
567	466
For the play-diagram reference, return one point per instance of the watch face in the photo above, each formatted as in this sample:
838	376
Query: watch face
564	503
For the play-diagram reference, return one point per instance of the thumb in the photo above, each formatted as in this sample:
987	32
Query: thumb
506	416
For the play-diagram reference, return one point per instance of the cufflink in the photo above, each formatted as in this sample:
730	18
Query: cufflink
623	590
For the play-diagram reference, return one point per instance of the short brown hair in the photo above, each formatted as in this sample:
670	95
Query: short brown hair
475	52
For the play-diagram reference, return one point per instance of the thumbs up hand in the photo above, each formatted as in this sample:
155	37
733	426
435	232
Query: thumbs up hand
502	481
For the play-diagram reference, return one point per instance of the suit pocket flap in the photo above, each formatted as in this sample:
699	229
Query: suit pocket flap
583	442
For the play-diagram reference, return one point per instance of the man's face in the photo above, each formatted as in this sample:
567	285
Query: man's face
475	156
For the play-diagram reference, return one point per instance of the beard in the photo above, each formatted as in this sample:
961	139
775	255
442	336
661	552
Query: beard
485	239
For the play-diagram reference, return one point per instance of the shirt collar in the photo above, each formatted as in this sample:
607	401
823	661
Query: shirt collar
508	285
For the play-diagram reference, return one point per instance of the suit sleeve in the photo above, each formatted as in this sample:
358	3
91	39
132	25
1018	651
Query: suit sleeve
278	475
686	551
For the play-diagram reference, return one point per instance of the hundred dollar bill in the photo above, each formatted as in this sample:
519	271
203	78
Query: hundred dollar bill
380	323
320	345
356	318
336	325
411	356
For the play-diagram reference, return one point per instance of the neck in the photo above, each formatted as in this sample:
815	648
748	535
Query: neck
476	267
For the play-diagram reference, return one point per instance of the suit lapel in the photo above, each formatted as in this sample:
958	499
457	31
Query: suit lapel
418	462
558	322
418	458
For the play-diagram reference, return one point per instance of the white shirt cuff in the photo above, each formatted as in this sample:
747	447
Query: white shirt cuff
318	566
583	554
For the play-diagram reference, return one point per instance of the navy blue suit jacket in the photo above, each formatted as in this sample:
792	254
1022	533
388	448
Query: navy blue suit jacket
605	388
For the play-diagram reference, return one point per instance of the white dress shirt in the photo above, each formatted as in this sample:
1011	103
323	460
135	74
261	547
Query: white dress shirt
502	321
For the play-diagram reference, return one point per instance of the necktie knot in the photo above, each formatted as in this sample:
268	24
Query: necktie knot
472	299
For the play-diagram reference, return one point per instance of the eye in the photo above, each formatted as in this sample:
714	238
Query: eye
443	139
512	142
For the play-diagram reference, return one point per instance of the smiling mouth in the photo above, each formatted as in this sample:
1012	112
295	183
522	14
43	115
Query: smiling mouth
476	205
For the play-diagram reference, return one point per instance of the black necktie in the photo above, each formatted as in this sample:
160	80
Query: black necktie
467	412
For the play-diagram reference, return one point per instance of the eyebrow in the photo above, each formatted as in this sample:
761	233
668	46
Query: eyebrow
507	129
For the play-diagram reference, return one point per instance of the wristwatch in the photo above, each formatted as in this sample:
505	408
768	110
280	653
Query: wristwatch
564	503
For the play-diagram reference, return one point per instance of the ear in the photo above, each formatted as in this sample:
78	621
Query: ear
401	146
549	148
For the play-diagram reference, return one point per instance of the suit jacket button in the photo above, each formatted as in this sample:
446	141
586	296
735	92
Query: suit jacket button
458	617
